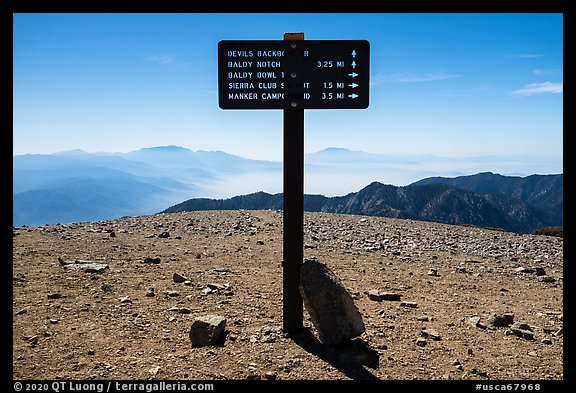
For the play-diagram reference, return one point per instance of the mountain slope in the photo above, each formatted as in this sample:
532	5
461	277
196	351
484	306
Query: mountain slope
81	199
430	202
544	192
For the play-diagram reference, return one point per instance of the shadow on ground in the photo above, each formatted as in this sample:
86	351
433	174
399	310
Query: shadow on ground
351	357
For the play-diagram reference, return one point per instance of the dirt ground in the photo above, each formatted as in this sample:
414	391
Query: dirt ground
70	323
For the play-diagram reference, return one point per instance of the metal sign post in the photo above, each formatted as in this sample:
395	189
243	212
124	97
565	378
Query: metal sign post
293	247
293	75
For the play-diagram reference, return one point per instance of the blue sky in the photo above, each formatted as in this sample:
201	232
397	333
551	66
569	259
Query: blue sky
456	85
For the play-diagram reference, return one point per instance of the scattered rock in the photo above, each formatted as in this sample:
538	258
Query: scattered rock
207	330
475	322
178	278
539	271
557	314
207	291
218	287
524	270
213	288
54	296
421	342
522	330
80	264
501	320
164	235
389	296
430	333
546	278
377	296
330	305
433	273
456	363
373	294
150	292
154	261
409	304
559	332
221	270
480	373
180	310
523	326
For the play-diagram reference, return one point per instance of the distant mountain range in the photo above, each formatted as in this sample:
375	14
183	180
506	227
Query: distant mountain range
75	186
510	203
544	192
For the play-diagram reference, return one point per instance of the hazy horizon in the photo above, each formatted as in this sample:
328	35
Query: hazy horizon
73	185
336	171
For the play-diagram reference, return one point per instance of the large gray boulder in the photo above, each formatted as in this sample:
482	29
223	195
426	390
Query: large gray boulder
329	304
207	330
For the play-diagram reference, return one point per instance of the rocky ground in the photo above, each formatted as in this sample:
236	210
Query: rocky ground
469	303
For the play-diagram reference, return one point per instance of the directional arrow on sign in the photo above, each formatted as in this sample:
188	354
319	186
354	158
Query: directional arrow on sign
326	79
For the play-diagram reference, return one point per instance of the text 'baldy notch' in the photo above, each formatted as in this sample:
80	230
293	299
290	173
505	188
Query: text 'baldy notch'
306	74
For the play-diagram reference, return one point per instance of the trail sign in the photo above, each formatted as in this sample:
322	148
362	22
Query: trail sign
313	74
293	75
